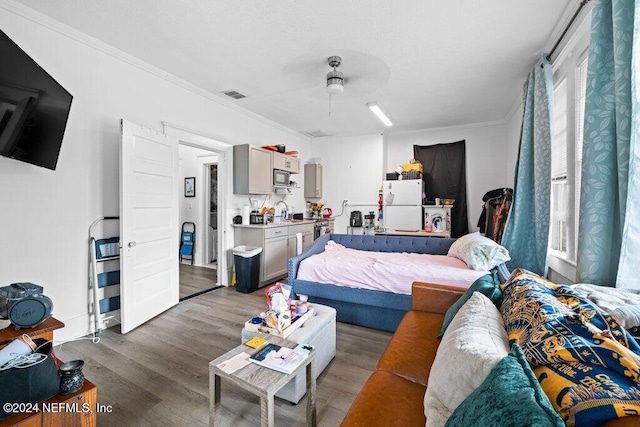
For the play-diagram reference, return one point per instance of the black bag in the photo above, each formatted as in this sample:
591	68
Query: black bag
34	384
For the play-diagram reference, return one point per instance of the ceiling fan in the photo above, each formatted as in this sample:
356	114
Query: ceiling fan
335	79
364	75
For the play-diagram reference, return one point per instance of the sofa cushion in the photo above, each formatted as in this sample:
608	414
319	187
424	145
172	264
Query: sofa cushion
473	344
387	400
413	347
488	285
479	252
509	395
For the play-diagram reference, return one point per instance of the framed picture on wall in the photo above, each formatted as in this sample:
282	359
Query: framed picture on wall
190	187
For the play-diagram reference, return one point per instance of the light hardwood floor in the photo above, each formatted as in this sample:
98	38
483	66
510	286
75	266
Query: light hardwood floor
157	374
195	279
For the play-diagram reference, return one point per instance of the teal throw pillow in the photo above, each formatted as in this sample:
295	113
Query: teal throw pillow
488	285
509	396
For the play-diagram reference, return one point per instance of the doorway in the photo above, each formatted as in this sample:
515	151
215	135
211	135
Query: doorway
207	162
198	214
211	250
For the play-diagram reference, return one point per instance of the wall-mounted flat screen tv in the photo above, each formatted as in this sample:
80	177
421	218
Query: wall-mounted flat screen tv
34	108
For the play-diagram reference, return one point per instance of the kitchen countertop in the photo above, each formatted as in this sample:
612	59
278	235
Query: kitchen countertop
417	233
272	225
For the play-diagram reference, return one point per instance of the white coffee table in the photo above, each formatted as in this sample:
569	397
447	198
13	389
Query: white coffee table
320	331
260	381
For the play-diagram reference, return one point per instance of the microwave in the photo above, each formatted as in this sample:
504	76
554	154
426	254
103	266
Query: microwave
280	177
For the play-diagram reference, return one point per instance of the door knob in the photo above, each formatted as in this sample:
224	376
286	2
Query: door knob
132	244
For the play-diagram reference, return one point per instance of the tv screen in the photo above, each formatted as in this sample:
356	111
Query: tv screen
33	108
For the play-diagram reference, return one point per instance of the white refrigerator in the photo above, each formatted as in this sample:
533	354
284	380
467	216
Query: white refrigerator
402	204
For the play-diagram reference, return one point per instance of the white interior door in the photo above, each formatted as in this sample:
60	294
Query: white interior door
149	227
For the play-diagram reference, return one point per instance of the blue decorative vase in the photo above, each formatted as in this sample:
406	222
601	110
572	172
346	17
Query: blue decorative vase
71	377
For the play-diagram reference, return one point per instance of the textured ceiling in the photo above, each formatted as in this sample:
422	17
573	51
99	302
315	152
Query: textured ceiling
428	63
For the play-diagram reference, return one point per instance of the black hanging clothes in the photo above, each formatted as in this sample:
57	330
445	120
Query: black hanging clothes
495	211
498	192
445	177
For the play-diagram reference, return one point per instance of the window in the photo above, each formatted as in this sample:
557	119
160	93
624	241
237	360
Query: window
566	156
559	184
582	90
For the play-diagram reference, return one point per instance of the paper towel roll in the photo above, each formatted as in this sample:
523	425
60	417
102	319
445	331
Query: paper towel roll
246	210
298	243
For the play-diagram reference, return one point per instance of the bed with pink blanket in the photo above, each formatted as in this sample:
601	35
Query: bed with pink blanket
384	271
367	279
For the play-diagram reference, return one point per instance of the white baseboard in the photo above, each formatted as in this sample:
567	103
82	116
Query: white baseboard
74	327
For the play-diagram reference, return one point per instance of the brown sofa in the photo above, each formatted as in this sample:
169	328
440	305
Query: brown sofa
394	394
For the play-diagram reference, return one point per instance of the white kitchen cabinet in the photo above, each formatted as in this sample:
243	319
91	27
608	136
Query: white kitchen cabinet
313	180
278	244
286	163
275	255
275	258
307	231
252	171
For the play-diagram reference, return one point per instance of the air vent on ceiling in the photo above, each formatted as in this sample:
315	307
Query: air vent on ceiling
234	94
315	133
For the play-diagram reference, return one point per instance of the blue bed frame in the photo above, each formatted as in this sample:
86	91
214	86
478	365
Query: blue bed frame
373	309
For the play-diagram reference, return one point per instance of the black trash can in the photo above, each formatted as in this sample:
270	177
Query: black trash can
247	262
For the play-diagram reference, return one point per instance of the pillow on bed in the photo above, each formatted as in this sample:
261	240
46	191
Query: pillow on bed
488	285
474	343
479	252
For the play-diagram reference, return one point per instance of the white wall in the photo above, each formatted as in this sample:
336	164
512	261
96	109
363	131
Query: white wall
486	157
355	166
46	214
514	126
352	171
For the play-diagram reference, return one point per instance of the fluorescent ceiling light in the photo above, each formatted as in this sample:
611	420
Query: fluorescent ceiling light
375	108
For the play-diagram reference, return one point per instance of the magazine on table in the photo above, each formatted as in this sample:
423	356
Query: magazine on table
281	359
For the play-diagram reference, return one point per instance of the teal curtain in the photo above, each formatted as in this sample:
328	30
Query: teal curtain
607	132
629	267
526	235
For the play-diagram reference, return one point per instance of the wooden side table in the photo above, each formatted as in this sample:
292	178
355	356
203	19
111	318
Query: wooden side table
72	410
261	381
77	409
43	330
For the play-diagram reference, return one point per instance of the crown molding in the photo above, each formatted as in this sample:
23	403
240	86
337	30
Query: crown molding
46	21
578	26
463	126
561	23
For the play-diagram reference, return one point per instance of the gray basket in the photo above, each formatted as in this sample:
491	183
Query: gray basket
413	174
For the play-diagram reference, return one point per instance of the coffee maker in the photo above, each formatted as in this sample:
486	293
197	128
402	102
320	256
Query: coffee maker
369	220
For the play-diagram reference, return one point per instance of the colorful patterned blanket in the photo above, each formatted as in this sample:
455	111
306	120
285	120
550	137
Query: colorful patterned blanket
586	363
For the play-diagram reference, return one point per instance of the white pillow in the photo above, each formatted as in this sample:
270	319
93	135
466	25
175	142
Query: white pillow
479	252
475	341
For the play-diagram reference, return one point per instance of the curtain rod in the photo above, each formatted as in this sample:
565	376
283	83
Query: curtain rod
583	3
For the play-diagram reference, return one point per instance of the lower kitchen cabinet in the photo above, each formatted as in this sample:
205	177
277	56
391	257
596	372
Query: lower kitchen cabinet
307	232
278	244
274	254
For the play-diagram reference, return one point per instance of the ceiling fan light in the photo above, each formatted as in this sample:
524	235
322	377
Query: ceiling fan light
335	88
380	114
335	82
